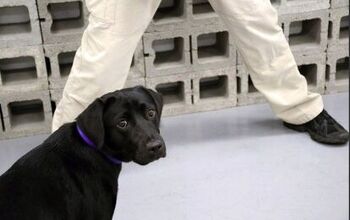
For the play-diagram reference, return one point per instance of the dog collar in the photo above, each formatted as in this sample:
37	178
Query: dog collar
91	144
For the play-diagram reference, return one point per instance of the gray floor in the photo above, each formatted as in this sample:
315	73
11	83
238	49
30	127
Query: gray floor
237	164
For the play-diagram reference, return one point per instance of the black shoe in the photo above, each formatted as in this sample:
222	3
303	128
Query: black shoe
323	128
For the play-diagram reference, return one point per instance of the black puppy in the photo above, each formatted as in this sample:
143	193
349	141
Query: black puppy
73	174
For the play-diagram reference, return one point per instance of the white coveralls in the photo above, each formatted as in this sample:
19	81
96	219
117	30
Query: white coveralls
115	27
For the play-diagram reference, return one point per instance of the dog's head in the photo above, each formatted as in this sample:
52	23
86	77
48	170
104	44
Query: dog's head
125	125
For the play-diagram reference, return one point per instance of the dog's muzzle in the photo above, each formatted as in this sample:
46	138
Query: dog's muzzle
156	148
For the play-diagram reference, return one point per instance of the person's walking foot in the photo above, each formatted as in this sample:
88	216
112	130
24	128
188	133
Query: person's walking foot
323	128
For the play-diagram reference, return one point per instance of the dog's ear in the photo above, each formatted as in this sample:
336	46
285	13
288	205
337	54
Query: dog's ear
90	120
158	100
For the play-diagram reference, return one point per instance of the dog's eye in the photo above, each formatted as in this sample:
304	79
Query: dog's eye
151	114
122	124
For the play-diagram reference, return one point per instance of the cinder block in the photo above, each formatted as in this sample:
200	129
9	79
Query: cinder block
214	89
137	69
278	3
176	91
22	69
306	31
2	125
62	21
338	34
171	15
201	13
167	53
247	94
212	48
312	67
56	94
55	98
299	6
339	3
26	113
59	58
135	82
19	24
337	71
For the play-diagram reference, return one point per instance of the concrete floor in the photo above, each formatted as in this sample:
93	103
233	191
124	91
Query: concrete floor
235	164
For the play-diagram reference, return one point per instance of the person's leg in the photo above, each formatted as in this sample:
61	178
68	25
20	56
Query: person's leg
274	72
266	53
103	60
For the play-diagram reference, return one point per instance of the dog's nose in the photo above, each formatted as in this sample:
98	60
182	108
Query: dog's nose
154	146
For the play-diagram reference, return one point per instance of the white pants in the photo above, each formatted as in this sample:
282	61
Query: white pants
115	27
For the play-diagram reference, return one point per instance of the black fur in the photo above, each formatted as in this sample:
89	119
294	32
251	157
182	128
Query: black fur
64	179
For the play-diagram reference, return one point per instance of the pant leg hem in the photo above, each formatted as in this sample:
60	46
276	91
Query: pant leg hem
304	115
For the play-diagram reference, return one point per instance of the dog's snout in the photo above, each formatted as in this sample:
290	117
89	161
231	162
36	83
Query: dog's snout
154	146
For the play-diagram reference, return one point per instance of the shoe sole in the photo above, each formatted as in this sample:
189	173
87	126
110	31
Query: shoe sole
298	128
314	136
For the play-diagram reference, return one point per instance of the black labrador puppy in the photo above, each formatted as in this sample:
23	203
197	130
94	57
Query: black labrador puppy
73	175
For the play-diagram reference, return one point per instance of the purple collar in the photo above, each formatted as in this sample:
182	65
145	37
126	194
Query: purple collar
91	144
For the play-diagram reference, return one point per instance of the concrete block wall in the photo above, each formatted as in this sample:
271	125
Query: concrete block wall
62	20
247	94
202	13
167	53
339	4
214	89
312	67
195	68
337	68
337	71
22	69
55	97
24	94
338	32
186	53
299	6
19	23
59	60
306	32
176	90
170	14
26	113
